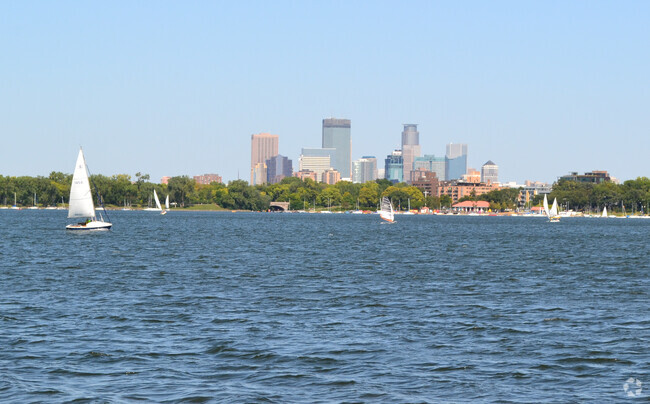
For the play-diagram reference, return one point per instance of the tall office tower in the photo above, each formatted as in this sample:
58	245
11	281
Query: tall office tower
410	149
263	147
430	163
490	173
456	159
258	174
336	135
364	170
277	168
394	166
316	160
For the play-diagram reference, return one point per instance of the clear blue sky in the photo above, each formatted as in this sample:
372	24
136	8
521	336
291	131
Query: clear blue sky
177	88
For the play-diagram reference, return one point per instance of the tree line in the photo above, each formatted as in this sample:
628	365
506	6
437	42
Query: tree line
122	189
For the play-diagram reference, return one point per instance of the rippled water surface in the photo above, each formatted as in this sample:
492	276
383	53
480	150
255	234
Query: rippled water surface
250	307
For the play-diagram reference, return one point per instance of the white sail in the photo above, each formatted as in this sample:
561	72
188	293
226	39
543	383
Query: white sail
546	211
155	196
386	211
553	211
81	199
167	202
604	212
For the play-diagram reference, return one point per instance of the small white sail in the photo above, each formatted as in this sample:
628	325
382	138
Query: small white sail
546	211
553	211
386	211
604	212
167	202
81	199
155	196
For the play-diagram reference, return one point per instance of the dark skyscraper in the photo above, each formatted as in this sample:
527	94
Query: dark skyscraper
336	135
277	168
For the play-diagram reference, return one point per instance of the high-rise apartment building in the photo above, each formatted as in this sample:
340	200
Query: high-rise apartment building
456	160
277	168
410	149
364	170
263	147
490	173
331	176
393	170
336	135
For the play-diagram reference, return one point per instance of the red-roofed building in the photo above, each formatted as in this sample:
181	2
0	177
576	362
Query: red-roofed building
471	206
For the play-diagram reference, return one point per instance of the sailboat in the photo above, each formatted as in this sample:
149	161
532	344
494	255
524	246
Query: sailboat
15	207
604	212
81	200
552	213
164	212
34	206
386	211
408	212
158	208
358	211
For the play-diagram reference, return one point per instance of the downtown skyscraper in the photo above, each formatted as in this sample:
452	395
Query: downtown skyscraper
263	147
456	159
410	149
336	135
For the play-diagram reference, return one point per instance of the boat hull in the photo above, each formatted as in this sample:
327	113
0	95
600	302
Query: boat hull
94	225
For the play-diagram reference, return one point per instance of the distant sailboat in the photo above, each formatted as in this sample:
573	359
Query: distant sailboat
553	215
164	212
158	208
15	206
408	212
34	206
604	212
386	212
81	200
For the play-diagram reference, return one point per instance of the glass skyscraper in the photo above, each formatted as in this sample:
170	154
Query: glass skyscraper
456	160
336	135
394	166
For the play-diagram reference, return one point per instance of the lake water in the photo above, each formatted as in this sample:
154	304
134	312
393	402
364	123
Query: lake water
260	307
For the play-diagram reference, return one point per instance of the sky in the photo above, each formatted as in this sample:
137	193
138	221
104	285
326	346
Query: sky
172	88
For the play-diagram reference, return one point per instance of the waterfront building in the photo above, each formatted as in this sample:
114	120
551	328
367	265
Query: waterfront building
593	177
471	206
429	162
364	170
426	181
165	180
490	172
331	176
277	168
456	160
263	147
316	159
258	174
411	149
336	135
530	190
394	167
304	174
207	179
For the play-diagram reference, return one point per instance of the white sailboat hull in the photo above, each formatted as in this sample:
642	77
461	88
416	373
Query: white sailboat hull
92	225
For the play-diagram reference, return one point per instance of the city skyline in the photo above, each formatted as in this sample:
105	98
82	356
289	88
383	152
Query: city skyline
542	89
